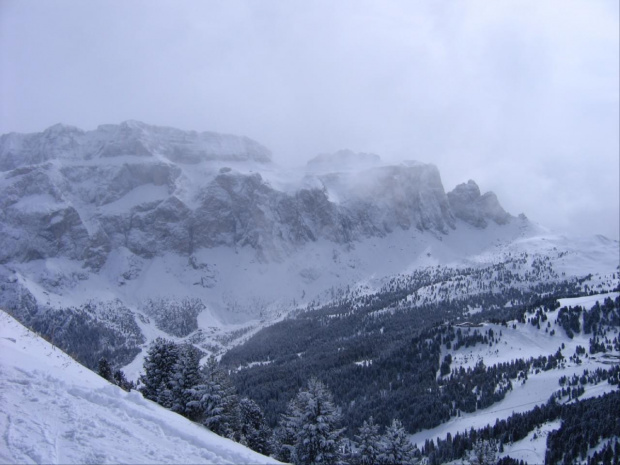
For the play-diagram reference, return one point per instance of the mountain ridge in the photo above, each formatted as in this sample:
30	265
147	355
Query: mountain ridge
131	247
153	189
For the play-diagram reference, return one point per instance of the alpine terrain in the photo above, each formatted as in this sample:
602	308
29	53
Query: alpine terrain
429	326
53	410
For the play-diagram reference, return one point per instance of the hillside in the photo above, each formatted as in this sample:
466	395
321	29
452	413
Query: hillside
524	341
452	372
54	410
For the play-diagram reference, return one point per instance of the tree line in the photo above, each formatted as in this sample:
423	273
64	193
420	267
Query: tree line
309	431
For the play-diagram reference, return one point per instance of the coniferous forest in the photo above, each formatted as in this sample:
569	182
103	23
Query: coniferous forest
310	402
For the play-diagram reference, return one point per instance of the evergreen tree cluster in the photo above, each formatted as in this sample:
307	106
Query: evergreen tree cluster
399	342
177	318
479	387
484	452
609	454
585	424
86	333
596	321
309	433
85	337
174	379
573	387
114	376
570	319
402	380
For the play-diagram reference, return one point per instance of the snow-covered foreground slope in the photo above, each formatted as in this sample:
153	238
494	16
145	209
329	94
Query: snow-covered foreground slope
53	410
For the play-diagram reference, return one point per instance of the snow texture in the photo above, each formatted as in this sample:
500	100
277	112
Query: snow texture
53	410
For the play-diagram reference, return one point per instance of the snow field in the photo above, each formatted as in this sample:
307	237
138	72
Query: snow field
53	410
526	341
531	449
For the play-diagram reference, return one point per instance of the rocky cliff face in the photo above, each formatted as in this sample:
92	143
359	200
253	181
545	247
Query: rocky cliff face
131	138
81	194
469	205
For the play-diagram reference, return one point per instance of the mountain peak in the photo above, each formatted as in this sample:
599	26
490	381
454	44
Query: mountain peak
60	128
133	124
129	138
469	205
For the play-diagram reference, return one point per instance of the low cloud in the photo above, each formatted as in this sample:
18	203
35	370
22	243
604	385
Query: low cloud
521	96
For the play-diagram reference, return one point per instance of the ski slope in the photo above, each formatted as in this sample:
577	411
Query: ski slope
53	410
524	341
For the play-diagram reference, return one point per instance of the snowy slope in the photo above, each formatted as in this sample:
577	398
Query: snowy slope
53	410
525	341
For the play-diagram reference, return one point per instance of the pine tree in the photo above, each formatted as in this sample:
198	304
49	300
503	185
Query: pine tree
214	402
395	447
104	370
483	453
159	365
186	375
311	424
253	429
368	443
285	435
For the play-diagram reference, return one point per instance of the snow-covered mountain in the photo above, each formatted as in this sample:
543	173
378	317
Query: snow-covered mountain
54	410
112	237
152	190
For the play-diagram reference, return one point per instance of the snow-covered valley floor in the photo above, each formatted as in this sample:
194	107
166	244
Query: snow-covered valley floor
53	410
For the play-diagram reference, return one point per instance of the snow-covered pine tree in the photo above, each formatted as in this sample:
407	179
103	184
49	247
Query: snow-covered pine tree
205	403
253	429
214	401
395	447
159	364
285	434
315	420
484	452
186	375
368	443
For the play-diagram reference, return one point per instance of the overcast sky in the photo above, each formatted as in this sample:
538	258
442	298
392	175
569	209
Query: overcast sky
521	96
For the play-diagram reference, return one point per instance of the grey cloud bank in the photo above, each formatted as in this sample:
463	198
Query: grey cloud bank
521	96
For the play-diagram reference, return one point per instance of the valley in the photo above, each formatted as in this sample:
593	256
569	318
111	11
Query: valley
437	309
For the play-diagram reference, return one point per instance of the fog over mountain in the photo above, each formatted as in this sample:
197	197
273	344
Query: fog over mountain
136	219
152	190
515	95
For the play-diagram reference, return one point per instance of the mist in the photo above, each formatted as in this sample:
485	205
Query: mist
521	96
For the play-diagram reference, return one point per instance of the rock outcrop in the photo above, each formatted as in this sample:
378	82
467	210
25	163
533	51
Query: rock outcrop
82	194
470	206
